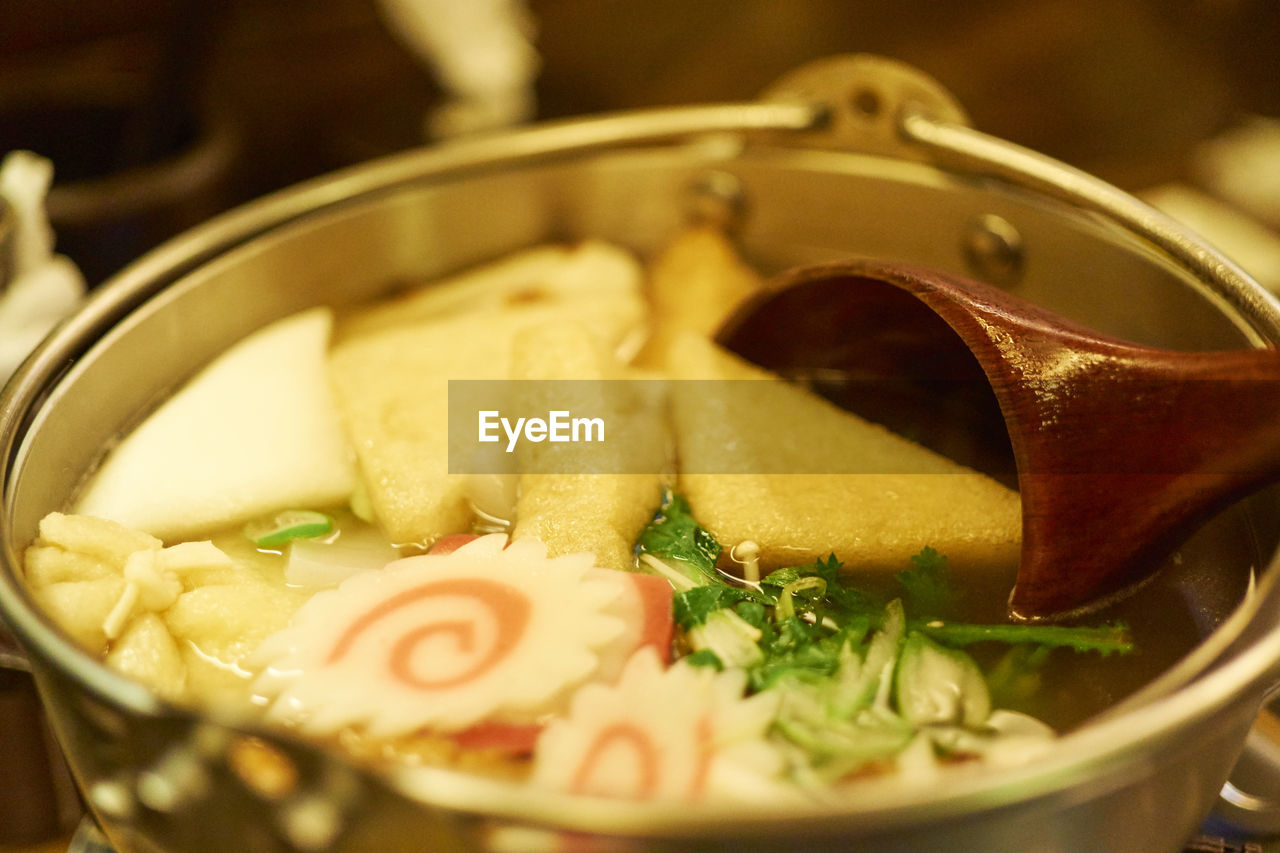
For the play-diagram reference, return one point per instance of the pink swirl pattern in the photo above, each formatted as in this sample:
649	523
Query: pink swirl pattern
509	607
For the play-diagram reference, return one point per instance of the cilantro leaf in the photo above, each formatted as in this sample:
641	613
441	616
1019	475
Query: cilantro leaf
1018	674
798	650
839	600
674	534
692	606
794	648
928	584
704	657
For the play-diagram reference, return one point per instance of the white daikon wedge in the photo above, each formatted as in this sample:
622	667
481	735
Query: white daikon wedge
255	430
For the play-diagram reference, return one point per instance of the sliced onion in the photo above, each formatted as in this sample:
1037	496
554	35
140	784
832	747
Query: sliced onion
316	564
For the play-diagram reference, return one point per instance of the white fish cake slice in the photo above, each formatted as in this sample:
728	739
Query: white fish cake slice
255	430
878	520
679	733
441	642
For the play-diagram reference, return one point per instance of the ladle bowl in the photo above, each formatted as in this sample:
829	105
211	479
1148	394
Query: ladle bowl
1120	449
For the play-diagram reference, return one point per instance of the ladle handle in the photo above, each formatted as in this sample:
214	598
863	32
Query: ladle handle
1223	413
1148	444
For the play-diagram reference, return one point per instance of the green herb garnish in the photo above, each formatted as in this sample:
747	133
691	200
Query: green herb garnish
1104	639
858	679
927	584
284	527
692	606
675	536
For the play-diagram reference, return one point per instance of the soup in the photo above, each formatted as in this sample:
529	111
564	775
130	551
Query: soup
288	537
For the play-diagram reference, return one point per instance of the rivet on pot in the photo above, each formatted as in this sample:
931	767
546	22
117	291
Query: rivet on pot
263	768
178	777
208	740
718	199
310	822
112	798
867	103
993	250
527	839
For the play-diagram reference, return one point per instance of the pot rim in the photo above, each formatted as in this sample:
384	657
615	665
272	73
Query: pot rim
1075	757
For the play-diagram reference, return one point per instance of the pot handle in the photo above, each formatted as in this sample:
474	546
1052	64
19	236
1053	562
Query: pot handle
881	106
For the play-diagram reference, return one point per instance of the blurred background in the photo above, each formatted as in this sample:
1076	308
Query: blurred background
158	113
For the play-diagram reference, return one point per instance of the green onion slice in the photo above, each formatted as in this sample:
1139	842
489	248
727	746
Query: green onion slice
286	526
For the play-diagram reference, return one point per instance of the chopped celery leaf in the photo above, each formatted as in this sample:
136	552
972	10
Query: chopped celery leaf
794	648
753	612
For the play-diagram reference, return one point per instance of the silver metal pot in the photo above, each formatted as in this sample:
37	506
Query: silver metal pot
852	155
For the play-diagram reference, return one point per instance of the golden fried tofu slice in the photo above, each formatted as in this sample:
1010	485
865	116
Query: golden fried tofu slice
587	496
694	284
765	461
75	571
81	608
392	386
601	282
217	629
181	619
146	652
91	538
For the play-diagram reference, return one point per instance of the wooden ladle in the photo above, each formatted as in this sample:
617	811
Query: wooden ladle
1120	449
